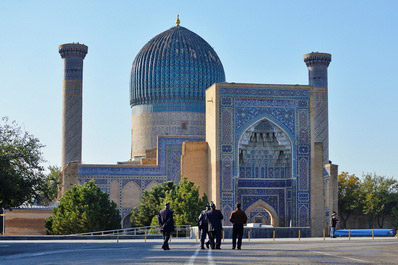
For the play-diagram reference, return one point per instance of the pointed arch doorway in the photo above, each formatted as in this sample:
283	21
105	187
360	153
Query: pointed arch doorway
261	212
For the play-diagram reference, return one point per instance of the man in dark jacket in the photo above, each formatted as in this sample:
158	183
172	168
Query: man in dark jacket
166	223
202	226
214	218
335	219
238	218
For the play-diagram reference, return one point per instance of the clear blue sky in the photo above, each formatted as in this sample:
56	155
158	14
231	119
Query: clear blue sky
257	42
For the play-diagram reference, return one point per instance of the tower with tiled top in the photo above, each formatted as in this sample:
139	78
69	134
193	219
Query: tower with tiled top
169	77
318	64
73	55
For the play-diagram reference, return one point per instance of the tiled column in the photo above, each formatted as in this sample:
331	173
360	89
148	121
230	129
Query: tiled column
317	64
73	55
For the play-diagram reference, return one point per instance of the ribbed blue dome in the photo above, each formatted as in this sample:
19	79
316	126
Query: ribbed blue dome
172	72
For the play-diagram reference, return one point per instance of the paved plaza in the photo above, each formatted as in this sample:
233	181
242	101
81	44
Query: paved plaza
186	251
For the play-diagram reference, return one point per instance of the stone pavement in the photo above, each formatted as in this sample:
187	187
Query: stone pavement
186	251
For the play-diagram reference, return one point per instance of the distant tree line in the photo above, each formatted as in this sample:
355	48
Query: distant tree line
373	196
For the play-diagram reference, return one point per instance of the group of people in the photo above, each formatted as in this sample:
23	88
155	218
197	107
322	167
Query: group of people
209	224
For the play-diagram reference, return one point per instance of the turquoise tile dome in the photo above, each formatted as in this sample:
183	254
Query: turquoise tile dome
172	72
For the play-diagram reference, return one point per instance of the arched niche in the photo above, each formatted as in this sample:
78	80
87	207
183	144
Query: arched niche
131	195
126	223
268	208
265	151
151	185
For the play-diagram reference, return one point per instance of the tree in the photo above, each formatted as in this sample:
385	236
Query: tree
151	204
49	191
84	208
186	203
394	215
184	200
378	197
21	175
349	200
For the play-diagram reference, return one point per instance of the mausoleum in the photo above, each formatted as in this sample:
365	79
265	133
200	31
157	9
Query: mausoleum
263	145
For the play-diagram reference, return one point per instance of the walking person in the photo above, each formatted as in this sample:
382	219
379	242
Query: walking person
203	227
238	218
166	223
335	219
214	218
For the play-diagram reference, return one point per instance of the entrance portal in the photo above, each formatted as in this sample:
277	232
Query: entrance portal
265	174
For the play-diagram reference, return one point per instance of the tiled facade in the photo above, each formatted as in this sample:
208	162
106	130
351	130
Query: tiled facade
287	108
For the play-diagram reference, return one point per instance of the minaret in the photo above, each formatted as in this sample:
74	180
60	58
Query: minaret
317	64
72	93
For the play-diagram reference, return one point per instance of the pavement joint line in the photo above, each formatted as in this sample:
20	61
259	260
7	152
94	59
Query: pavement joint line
332	255
193	257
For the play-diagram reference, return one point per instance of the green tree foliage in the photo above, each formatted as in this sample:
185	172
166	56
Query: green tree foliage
49	191
394	215
378	197
371	195
349	196
21	173
151	204
84	208
184	201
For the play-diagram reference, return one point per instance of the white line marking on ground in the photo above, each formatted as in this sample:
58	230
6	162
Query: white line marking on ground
333	255
193	257
210	259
